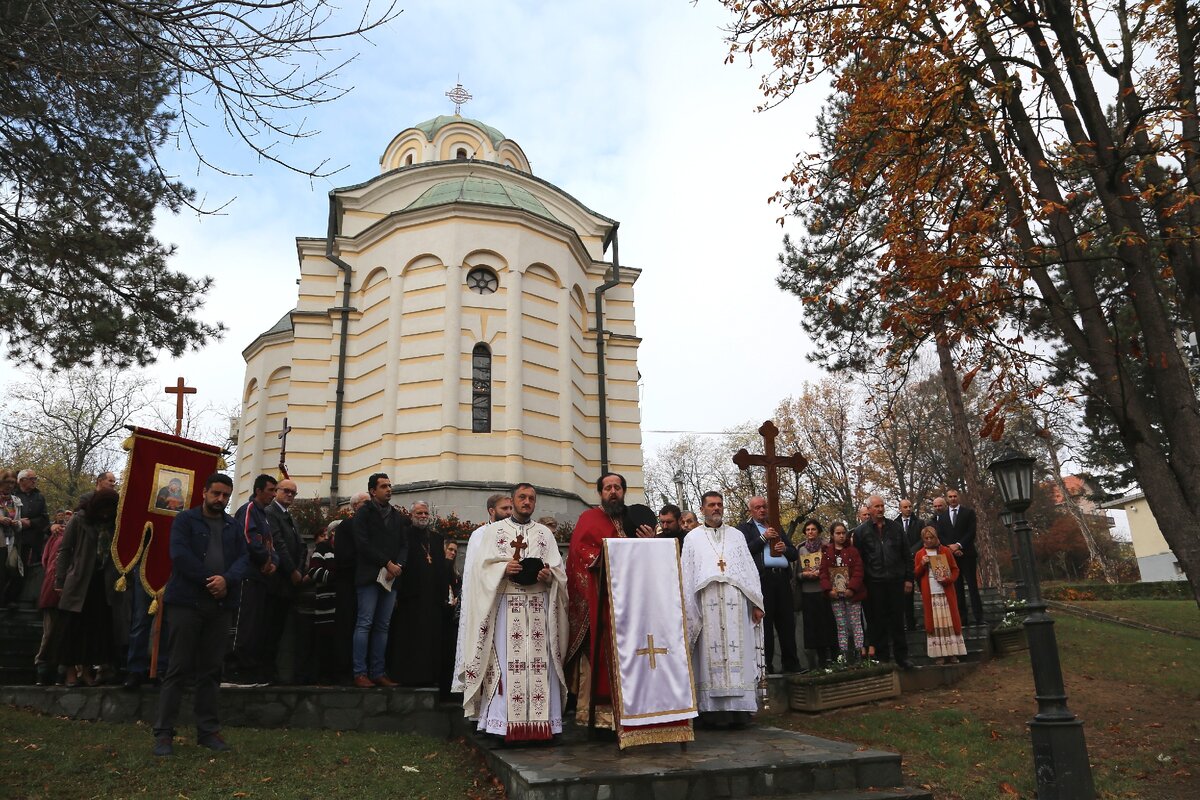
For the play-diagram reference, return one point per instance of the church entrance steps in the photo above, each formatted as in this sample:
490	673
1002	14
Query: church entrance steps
331	708
757	762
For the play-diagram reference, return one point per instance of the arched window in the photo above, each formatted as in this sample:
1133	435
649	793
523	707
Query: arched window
409	160
481	389
461	155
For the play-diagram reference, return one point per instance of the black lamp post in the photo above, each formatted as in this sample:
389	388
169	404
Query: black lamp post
1060	759
1007	519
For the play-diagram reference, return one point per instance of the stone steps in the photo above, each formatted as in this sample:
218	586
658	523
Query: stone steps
758	762
897	793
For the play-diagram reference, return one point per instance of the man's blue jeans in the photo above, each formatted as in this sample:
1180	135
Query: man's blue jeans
375	606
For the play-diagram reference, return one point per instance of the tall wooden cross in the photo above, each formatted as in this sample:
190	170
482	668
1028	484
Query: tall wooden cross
773	463
283	448
179	390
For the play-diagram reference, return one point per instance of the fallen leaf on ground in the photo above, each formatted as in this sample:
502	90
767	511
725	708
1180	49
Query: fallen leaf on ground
1008	788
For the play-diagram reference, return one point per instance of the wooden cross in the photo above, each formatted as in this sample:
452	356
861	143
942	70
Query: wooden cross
721	563
179	390
283	448
651	650
518	544
772	462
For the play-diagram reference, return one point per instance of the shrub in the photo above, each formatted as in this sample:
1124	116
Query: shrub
1161	590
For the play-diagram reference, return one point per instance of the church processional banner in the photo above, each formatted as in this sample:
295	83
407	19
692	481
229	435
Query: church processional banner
652	675
164	475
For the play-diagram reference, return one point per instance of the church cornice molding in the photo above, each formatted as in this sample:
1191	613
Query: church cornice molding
361	196
485	486
406	218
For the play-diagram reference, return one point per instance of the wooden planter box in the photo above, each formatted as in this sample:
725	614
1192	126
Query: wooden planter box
848	689
1009	640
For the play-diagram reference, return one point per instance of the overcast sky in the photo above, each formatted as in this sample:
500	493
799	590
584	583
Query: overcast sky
626	105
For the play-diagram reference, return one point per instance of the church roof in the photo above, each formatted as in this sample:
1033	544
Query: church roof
431	126
284	324
486	191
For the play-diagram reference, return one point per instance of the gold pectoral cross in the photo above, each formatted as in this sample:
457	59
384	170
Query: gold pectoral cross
651	650
721	564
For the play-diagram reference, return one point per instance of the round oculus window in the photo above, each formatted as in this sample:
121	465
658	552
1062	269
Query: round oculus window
482	281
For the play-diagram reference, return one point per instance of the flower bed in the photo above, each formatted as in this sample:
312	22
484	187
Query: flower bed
843	686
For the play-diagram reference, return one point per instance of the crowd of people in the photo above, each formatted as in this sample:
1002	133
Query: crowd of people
376	599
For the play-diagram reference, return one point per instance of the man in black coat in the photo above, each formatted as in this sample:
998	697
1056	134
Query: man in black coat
283	587
888	569
911	524
380	552
773	555
957	531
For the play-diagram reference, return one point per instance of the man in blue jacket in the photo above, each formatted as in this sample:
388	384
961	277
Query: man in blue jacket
208	562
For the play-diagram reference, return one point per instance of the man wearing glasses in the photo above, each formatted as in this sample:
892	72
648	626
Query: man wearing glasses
283	588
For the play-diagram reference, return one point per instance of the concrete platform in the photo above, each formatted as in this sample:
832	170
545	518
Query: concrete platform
753	763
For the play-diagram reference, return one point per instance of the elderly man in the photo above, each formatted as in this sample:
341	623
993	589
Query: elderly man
283	589
415	649
688	521
773	555
888	570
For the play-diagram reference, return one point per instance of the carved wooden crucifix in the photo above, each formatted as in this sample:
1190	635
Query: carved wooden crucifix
179	390
518	545
773	463
283	434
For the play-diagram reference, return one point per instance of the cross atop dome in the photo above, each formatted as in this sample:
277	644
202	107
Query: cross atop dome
459	96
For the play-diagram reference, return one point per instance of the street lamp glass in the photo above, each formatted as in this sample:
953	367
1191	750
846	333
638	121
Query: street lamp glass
1013	472
1007	518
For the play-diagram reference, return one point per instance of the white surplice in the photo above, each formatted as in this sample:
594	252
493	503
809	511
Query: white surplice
514	636
721	588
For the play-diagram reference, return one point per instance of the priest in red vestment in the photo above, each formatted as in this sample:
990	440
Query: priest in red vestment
589	649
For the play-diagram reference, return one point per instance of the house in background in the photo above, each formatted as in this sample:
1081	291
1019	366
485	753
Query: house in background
1155	559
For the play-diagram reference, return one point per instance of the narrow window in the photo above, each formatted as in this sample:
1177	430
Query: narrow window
408	161
481	389
461	155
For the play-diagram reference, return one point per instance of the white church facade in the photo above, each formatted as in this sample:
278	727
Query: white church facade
445	333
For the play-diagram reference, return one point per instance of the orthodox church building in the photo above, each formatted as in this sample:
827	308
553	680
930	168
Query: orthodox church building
445	333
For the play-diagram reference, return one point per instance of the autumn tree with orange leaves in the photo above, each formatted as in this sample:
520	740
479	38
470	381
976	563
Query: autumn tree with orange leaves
1014	173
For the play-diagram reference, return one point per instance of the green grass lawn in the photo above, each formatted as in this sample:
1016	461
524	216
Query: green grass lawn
1137	693
1178	615
45	757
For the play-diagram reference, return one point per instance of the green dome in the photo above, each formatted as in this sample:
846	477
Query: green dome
486	191
431	126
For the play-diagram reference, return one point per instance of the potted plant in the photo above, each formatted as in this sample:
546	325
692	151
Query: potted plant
1009	634
843	684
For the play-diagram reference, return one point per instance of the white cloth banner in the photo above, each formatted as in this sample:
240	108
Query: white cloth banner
653	679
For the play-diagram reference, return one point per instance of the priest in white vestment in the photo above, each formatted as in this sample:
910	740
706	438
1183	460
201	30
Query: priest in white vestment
499	508
515	633
724	607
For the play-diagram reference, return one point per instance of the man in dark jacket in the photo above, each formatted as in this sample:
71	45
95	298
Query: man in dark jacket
911	524
380	550
208	562
773	555
35	518
888	570
283	588
957	531
251	666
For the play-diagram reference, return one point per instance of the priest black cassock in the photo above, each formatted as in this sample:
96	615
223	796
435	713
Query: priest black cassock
722	598
514	633
415	653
